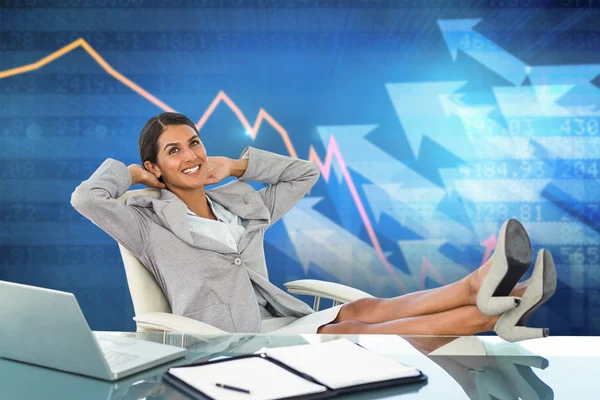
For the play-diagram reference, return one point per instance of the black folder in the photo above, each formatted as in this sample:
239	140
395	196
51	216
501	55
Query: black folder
186	384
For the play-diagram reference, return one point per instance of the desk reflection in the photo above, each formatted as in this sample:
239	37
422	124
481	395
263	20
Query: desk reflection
488	375
482	370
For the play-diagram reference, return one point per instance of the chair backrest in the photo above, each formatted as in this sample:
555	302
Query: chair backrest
146	295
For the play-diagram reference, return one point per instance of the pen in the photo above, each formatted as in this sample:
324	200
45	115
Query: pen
237	389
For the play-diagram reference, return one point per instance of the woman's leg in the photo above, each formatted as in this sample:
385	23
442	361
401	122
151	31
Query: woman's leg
462	321
458	294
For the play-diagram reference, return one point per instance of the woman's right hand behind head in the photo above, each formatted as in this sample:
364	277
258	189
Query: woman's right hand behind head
140	175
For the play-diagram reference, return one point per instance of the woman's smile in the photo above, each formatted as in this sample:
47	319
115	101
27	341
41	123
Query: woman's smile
193	171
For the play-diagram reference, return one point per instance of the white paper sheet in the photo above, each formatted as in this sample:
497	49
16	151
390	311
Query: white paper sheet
340	363
263	378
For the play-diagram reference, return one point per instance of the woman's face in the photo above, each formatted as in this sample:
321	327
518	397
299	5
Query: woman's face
181	158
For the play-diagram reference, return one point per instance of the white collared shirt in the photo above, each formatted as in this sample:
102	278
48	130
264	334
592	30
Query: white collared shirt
228	230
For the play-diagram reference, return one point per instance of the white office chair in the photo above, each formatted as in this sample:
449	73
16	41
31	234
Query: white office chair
153	313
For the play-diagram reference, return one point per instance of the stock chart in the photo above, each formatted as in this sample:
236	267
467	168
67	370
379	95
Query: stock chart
432	123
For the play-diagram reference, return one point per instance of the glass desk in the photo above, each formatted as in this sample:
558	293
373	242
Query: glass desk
475	367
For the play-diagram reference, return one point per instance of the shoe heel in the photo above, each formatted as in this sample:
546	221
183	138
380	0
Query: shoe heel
498	305
548	281
511	260
517	252
542	284
518	333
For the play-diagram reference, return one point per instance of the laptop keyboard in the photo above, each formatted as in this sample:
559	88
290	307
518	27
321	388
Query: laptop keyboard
115	358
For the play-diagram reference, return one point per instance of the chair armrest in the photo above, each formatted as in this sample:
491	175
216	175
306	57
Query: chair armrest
174	323
337	292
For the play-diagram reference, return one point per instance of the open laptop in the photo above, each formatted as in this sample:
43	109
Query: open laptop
46	327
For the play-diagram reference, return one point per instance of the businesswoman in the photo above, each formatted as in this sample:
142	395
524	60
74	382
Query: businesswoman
205	247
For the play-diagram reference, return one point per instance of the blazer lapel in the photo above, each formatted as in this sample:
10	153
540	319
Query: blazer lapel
241	199
172	213
174	216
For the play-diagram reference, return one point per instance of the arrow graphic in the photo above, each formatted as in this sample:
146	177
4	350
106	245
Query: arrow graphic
334	150
460	35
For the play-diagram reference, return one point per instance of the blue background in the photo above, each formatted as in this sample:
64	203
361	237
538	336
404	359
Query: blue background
441	119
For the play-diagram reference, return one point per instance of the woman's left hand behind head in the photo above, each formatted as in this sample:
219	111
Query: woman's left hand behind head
219	168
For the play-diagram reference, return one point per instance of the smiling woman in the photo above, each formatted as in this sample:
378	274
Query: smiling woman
171	151
205	247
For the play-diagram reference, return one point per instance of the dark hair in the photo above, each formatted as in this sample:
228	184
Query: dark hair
155	126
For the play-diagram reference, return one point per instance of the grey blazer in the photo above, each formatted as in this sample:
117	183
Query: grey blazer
202	278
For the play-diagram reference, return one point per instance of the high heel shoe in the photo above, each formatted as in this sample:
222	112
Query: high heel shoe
542	285
510	261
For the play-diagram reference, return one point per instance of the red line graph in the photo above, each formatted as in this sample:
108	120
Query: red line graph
262	116
334	150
